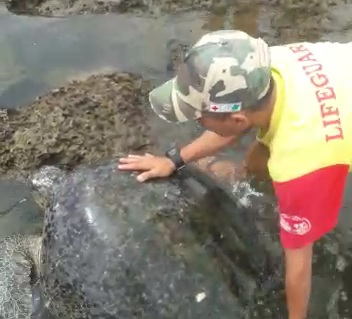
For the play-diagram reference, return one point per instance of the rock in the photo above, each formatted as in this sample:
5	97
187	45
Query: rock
176	52
155	7
81	122
68	7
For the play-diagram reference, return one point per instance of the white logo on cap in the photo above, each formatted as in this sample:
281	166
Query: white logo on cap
226	108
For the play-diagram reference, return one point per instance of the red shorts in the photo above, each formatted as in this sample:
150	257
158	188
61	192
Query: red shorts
309	205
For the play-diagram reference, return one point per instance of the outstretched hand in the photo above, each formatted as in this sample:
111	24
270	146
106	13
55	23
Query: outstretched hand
150	165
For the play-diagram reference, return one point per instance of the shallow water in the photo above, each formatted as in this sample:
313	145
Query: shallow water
50	50
37	53
41	53
18	212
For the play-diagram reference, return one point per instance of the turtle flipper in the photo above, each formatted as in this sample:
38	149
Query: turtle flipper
17	263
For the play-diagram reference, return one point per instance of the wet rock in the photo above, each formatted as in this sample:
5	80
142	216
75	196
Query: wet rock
176	53
302	4
81	122
280	21
5	129
285	21
301	24
67	7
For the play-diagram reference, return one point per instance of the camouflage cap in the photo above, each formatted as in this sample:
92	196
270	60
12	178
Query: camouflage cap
225	71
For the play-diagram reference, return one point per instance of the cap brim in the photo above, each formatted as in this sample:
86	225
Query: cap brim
167	104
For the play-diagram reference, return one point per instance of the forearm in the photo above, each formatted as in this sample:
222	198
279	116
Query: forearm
207	144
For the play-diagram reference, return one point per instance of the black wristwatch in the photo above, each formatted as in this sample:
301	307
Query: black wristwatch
175	155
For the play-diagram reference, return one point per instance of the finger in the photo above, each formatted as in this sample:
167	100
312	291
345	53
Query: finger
135	156
146	176
131	167
148	155
127	160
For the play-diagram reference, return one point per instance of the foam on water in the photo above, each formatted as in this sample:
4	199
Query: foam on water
244	193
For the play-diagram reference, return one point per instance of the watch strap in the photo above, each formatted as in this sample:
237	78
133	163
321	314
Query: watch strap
175	155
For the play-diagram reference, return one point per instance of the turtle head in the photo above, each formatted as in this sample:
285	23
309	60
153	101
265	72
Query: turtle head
44	183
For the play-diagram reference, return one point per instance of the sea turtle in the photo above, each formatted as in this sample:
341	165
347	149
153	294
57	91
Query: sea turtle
20	293
18	264
114	248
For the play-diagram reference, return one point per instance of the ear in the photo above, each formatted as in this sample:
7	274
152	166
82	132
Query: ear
241	120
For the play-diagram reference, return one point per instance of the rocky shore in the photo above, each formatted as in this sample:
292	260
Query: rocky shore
81	122
69	7
85	121
275	20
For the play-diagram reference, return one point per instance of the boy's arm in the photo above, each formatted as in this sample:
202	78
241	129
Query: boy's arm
161	166
207	144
